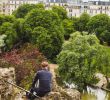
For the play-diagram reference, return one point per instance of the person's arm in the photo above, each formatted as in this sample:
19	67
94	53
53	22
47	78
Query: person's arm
35	80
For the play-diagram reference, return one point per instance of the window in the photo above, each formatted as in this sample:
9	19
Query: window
70	10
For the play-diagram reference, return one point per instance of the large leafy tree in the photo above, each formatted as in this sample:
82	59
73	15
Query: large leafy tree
19	27
68	27
79	59
7	18
43	40
22	11
62	13
105	37
11	35
100	24
50	25
80	24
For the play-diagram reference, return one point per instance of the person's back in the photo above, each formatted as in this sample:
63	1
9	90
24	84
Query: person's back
44	78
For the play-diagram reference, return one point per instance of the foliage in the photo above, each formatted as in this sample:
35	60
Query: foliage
68	27
22	10
26	62
62	13
6	18
42	39
79	59
105	37
8	30
50	25
19	27
2	37
80	23
99	24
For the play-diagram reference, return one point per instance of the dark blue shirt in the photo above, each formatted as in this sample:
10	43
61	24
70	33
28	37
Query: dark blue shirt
45	78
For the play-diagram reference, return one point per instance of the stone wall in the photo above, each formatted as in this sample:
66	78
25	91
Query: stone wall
6	90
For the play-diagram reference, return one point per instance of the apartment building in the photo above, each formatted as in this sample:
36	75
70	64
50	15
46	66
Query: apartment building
8	6
91	7
75	8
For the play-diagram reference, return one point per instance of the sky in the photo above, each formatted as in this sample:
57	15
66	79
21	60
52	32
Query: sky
95	0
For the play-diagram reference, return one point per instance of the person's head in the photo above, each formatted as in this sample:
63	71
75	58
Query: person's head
44	65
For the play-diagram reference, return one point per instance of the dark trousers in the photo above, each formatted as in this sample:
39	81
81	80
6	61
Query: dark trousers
38	92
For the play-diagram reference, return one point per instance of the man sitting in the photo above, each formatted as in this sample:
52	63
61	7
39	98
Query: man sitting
43	79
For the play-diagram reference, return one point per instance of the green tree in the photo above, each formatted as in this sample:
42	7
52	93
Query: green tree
98	23
1	19
19	27
11	35
105	37
68	27
78	61
49	21
22	11
104	67
81	23
62	13
7	18
43	40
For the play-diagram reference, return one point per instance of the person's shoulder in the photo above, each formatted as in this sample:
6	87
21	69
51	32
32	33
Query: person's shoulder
49	72
39	71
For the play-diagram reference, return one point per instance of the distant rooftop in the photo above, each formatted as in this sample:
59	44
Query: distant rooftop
100	2
57	1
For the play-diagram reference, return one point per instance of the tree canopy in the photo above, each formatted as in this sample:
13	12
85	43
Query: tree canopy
7	18
11	35
80	23
50	25
68	27
62	13
99	24
79	59
22	10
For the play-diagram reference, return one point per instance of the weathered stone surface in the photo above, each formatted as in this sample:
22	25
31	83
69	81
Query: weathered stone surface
6	90
102	80
58	93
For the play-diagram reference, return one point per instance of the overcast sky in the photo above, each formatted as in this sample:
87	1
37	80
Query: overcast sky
95	0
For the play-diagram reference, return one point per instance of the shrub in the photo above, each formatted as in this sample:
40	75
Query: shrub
26	61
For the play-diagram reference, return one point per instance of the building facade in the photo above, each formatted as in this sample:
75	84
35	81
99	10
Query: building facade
8	6
75	8
91	7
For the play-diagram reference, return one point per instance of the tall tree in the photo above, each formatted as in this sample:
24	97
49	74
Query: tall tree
80	23
11	35
7	18
68	27
62	13
79	59
99	25
22	10
48	20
